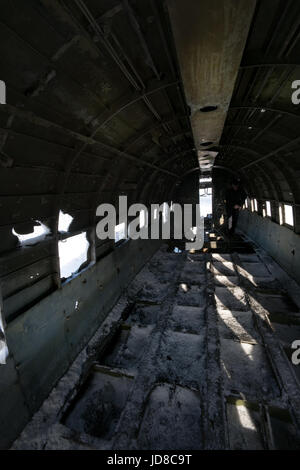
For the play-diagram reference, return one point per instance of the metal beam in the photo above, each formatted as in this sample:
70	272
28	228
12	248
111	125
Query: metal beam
210	37
259	167
139	135
106	44
273	153
218	167
261	131
125	102
136	26
163	38
34	119
263	106
272	64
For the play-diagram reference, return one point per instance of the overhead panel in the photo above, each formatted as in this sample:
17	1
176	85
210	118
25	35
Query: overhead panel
210	38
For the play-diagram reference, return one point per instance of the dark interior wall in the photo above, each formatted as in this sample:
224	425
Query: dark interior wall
260	140
279	240
187	191
46	338
282	243
95	109
222	178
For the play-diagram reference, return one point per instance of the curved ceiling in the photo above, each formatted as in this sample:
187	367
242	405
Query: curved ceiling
95	109
261	138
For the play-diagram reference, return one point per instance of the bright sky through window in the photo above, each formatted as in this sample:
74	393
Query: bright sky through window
73	252
39	233
288	214
205	201
64	221
120	232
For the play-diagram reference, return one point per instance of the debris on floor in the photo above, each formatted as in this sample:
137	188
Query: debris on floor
196	342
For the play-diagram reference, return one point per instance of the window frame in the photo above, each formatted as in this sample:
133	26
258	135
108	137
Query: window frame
268	205
90	261
284	204
122	240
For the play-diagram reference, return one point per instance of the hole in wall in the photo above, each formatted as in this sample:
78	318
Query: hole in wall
64	221
208	109
2	92
288	215
184	287
40	231
205	199
120	232
3	345
205	179
73	252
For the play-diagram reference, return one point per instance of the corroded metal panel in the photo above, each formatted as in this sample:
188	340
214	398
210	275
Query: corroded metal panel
210	37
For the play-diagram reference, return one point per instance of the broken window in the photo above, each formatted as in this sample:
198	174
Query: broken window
205	198
143	219
268	209
64	221
288	215
254	206
3	345
120	232
40	231
165	212
247	203
73	253
281	220
2	92
205	180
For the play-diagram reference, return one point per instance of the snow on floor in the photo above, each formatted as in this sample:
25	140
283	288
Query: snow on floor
196	344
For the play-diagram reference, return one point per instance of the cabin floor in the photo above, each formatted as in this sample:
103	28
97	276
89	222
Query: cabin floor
195	355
